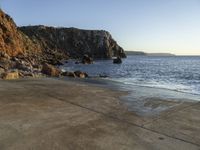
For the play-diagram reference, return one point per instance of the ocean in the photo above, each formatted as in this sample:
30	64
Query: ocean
174	77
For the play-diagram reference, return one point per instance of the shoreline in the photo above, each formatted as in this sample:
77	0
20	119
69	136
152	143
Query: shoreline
47	113
139	98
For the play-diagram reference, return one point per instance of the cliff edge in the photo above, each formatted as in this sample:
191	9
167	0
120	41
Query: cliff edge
50	42
74	42
13	41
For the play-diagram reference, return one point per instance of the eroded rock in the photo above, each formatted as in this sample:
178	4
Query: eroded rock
87	60
117	60
81	74
10	75
50	70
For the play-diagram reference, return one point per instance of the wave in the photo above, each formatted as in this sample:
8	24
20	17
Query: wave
157	85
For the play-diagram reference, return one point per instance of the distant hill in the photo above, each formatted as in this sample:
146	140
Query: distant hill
147	54
135	53
160	54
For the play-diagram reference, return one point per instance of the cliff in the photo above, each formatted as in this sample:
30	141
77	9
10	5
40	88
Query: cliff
50	43
13	41
74	42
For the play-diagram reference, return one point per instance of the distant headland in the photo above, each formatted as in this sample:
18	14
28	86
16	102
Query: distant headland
147	54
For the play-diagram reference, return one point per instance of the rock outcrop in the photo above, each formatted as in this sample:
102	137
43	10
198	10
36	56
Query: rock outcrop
74	42
117	60
13	41
87	60
50	70
10	75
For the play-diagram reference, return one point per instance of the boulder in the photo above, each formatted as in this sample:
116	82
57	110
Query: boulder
10	75
77	62
103	76
5	63
50	70
81	74
87	60
2	70
117	60
24	66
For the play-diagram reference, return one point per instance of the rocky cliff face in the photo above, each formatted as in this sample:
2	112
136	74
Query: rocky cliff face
13	41
74	42
27	49
48	43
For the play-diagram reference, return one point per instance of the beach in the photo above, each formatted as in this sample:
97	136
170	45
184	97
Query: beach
58	114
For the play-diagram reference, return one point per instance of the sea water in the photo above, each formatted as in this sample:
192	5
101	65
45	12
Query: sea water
173	77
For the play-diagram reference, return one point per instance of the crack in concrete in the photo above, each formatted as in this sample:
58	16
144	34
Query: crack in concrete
124	121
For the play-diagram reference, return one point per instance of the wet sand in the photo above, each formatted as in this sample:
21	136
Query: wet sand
51	114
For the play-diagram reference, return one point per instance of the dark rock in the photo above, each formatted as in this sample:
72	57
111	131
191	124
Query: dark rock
23	65
69	74
117	60
59	63
50	70
103	76
77	62
87	60
81	74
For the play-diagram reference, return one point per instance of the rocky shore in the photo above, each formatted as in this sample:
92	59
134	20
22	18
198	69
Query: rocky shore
35	51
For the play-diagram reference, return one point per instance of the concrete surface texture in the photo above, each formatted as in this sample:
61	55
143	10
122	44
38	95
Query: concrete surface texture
50	114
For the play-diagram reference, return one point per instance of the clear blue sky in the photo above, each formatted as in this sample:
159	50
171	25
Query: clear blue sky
149	25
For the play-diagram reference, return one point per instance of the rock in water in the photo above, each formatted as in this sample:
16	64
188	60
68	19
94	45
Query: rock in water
118	60
87	60
10	75
50	70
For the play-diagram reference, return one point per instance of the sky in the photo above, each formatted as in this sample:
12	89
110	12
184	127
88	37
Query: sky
171	26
